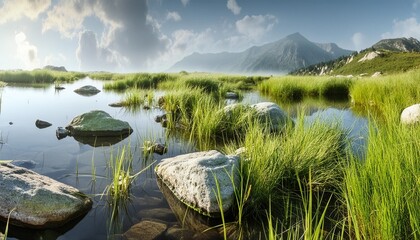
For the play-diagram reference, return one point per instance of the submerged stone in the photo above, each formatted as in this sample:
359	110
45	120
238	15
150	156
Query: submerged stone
193	179
145	230
42	124
98	124
37	201
411	115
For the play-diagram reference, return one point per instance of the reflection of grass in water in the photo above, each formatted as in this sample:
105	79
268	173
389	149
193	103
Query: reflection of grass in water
118	191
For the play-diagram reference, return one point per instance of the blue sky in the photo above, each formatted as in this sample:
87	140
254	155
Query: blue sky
151	35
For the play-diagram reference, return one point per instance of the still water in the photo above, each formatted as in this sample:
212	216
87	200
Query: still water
86	167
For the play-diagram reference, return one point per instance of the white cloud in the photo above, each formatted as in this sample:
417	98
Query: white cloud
14	10
358	40
174	16
130	40
256	26
404	28
233	6
185	2
26	53
416	3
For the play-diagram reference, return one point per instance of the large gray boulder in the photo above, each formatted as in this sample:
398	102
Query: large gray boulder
36	201
192	178
98	124
411	115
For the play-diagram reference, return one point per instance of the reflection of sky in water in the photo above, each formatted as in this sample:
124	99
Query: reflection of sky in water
356	127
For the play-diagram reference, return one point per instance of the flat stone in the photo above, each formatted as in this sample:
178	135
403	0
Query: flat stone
163	214
98	124
176	233
146	230
38	201
411	115
192	179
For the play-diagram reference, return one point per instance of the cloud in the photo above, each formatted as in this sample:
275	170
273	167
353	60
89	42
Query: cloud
233	6
174	16
416	4
185	2
255	26
130	40
13	10
404	28
358	40
26	53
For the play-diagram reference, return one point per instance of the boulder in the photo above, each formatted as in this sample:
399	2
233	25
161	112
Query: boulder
87	90
36	201
192	178
411	115
42	124
146	230
98	124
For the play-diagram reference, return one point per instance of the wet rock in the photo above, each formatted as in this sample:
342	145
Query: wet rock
42	124
146	107
165	123
411	115
231	95
146	230
118	104
163	214
160	118
158	148
98	124
192	178
176	233
38	201
87	90
29	164
10	123
61	133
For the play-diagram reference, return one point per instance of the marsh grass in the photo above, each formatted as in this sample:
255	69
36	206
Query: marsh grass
138	80
382	192
39	76
295	88
377	95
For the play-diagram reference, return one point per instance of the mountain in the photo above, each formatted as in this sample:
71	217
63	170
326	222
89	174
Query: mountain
386	56
398	45
55	68
288	54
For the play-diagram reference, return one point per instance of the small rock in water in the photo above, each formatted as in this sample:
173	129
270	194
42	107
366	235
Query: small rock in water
42	124
118	104
164	123
160	118
231	95
158	148
146	107
146	230
10	123
61	133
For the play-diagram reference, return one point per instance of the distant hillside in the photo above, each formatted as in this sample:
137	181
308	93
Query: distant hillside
288	54
54	68
386	56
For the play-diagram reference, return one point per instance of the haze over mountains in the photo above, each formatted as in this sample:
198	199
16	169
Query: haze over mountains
285	55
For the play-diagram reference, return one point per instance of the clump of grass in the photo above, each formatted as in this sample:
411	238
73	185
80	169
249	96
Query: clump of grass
295	88
39	76
138	80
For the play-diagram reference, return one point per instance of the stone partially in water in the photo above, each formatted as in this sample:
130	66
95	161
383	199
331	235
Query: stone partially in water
192	178
42	124
146	230
87	90
272	115
411	115
98	124
36	201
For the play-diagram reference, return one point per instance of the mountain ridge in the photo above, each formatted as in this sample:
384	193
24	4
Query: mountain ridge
287	54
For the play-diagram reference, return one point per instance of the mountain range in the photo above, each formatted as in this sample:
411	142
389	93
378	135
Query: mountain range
285	55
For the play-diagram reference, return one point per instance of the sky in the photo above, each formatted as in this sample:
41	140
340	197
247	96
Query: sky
151	35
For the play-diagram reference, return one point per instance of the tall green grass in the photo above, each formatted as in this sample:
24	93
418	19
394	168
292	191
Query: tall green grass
138	80
382	192
377	95
295	88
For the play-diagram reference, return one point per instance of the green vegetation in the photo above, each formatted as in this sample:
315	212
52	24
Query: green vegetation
295	88
39	76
